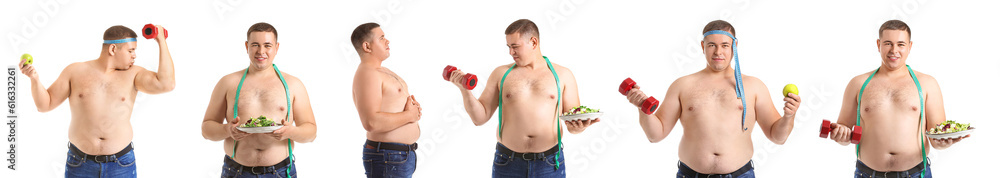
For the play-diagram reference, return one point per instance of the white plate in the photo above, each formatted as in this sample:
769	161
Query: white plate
951	135
267	129
586	116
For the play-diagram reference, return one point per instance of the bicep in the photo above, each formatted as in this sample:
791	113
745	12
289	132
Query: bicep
849	106
367	93
765	111
216	110
491	93
670	108
934	107
302	108
60	89
571	94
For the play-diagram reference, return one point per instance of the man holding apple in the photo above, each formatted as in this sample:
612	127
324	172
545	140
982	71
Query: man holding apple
709	103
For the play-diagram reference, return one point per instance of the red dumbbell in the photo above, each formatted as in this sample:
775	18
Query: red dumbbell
149	31
469	80
648	106
827	127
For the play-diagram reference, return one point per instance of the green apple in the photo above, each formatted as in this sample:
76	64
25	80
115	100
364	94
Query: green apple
790	88
27	59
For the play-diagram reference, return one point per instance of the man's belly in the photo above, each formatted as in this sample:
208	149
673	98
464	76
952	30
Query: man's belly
258	150
529	131
407	134
714	153
890	147
100	136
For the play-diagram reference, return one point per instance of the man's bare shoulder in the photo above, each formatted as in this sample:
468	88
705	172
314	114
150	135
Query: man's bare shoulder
230	80
500	70
858	81
926	80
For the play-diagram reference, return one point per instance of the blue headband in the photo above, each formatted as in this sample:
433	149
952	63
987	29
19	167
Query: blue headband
739	75
126	40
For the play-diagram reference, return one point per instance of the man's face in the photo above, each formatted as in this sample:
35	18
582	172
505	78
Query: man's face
519	46
261	47
718	50
379	44
894	46
124	55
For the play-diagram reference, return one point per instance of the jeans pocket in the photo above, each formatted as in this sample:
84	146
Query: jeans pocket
126	160
396	157
500	159
72	160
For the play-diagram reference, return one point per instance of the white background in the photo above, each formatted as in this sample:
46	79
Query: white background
817	45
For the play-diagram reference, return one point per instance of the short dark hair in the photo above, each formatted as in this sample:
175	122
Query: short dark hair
524	27
719	25
362	33
118	32
263	27
894	25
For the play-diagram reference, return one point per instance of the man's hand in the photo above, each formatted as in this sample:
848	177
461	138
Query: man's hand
234	133
456	78
284	132
792	102
577	126
636	96
413	108
945	143
840	133
159	34
28	70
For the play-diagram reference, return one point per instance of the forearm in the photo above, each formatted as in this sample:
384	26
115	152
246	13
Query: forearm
43	101
781	129
304	133
384	122
165	73
652	126
214	131
476	110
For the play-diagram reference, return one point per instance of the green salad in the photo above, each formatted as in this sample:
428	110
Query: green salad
949	126
259	122
581	110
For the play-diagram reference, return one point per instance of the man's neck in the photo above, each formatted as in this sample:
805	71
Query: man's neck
252	71
105	62
369	60
536	61
893	72
727	72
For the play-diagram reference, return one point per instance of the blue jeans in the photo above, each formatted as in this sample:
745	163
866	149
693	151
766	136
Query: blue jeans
859	174
232	169
78	166
389	163
508	166
681	166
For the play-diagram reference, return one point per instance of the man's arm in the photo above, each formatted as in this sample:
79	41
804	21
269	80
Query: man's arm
214	127
841	133
571	98
776	127
658	125
304	130
368	100
934	110
48	99
162	80
480	110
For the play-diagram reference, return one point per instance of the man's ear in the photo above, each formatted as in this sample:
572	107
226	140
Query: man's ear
878	45
247	45
534	42
111	49
366	47
702	46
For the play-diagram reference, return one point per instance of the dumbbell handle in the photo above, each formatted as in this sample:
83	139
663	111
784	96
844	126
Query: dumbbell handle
149	31
468	80
827	127
648	106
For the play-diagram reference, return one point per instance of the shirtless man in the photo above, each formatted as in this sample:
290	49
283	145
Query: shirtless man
530	92
387	110
890	105
101	94
716	140
259	90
